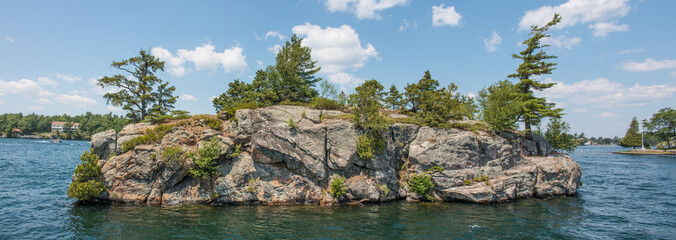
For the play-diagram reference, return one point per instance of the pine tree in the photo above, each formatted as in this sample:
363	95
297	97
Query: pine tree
393	99
500	105
297	69
632	138
535	64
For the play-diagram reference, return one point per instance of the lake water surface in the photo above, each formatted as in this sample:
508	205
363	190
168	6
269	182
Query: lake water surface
623	197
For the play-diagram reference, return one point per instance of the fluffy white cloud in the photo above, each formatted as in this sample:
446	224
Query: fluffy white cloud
576	11
68	78
344	78
335	49
9	39
649	65
174	64
35	108
113	109
75	100
47	81
562	41
203	58
445	16
188	97
274	34
627	51
606	115
275	49
363	9
24	87
491	45
602	92
603	28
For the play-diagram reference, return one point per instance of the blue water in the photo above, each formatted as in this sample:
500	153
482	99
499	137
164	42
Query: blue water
623	197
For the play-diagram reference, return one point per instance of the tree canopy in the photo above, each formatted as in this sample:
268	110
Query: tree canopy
534	63
663	125
136	93
500	105
434	106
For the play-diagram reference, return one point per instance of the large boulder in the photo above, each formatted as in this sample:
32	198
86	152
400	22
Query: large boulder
104	143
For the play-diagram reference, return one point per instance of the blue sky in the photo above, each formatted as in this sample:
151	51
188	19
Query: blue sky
616	57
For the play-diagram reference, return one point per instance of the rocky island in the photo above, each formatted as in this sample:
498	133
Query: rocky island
294	154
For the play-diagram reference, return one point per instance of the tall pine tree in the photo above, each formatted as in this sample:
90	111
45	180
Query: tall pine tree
535	64
632	138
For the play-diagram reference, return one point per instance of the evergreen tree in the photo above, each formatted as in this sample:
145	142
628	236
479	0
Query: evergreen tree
535	64
558	137
433	106
136	94
164	100
367	100
500	105
663	125
296	69
327	90
632	138
393	98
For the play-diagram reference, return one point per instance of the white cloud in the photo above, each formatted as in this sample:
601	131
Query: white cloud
42	101
47	81
445	16
603	28
576	11
472	95
205	57
275	49
35	108
602	92
491	45
562	41
274	34
174	64
649	65
335	49
68	78
363	9
606	115
188	97
344	78
260	63
578	110
113	109
9	39
24	87
211	99
405	25
75	100
627	51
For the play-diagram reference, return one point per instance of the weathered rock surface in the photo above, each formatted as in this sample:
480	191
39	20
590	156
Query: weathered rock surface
280	164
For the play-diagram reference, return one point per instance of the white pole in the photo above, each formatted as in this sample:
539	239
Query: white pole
642	145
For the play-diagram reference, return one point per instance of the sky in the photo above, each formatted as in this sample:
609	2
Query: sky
616	58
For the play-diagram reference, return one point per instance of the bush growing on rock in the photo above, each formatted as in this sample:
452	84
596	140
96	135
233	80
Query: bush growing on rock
337	187
420	184
86	184
173	154
205	161
152	135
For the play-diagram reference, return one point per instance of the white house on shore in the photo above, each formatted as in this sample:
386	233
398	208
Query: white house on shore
58	126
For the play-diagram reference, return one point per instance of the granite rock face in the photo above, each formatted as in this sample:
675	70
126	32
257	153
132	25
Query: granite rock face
267	160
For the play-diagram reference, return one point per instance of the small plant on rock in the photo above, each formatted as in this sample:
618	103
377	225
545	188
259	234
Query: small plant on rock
420	184
436	169
251	186
384	190
337	186
236	151
205	161
292	124
172	155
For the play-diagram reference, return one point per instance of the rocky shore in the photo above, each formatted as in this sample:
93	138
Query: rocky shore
278	164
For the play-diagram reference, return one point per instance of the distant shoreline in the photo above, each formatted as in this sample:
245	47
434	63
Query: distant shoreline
647	152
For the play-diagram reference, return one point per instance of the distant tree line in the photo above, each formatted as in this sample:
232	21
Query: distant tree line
33	123
660	129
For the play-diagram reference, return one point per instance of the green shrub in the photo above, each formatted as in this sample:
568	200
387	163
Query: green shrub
325	103
292	124
236	151
467	182
420	184
173	154
251	186
436	169
86	185
213	123
337	187
205	161
370	144
384	190
152	135
85	191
